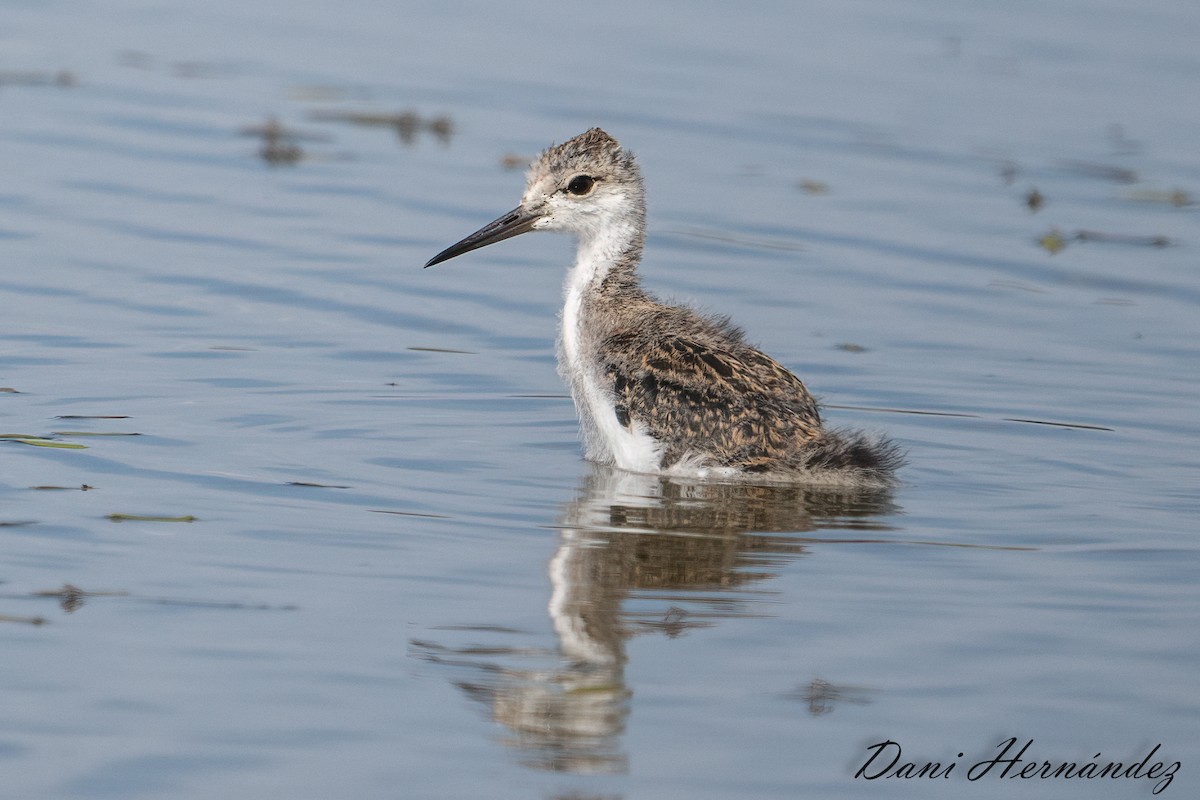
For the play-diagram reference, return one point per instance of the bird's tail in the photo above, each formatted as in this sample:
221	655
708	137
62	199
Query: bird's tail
872	457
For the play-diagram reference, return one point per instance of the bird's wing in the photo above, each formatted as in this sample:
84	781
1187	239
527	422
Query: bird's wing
739	402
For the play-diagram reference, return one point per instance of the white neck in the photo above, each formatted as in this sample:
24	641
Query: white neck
605	439
592	263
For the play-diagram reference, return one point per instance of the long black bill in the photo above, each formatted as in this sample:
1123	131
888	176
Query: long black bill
512	224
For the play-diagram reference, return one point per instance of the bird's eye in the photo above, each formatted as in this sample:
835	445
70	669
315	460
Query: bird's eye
581	185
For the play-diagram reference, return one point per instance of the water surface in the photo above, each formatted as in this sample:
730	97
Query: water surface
400	577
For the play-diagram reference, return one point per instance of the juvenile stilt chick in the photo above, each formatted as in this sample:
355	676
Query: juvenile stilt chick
665	389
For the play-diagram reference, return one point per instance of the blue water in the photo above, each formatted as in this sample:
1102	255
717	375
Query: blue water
401	578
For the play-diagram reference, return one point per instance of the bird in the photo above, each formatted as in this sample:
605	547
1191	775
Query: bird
660	388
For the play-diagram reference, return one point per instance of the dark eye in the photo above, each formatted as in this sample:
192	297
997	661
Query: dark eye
581	184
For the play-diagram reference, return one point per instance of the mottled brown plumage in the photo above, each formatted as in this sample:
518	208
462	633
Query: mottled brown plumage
664	388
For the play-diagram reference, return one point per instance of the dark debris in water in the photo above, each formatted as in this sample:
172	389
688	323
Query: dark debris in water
62	78
273	129
92	416
280	153
34	440
23	620
148	518
407	513
1054	240
407	124
479	628
72	598
1175	197
813	187
218	604
1123	238
17	523
1017	285
1106	172
8	390
317	485
280	145
964	415
1034	200
95	433
1079	426
821	696
442	350
81	488
139	59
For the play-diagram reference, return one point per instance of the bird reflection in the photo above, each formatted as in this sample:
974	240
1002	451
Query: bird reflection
639	555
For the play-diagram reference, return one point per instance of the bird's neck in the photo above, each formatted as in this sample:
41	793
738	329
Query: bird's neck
603	281
605	273
606	262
